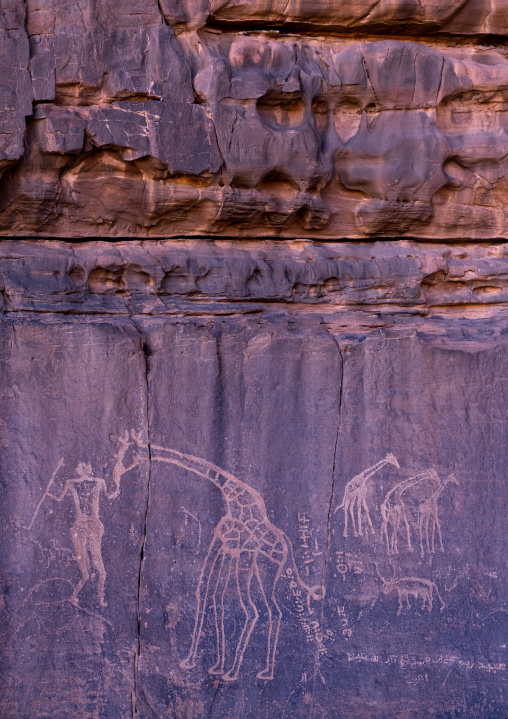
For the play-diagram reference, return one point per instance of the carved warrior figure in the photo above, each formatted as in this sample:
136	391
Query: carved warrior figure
393	510
355	494
428	515
245	545
87	530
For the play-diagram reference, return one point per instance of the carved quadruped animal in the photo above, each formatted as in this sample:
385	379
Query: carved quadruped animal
406	587
245	545
428	519
393	510
355	495
87	529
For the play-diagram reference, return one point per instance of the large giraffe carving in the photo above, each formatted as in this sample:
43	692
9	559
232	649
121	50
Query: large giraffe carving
245	545
355	494
428	515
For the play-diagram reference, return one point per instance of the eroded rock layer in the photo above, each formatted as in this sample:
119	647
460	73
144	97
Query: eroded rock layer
156	120
253	479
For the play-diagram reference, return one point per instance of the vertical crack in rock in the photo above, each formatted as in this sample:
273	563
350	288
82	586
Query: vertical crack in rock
339	414
330	502
137	657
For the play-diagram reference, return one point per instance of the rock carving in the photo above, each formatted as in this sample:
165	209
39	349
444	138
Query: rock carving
393	511
245	545
406	587
355	496
87	530
428	519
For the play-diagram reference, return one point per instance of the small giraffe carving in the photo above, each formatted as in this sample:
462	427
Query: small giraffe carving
428	516
246	546
393	510
355	495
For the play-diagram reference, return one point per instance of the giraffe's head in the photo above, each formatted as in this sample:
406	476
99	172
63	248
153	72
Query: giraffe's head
392	459
451	479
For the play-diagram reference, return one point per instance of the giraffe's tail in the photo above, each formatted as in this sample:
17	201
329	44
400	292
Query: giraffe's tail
316	592
341	506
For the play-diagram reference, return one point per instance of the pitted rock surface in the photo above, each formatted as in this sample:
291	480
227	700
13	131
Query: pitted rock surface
253	479
253	359
147	124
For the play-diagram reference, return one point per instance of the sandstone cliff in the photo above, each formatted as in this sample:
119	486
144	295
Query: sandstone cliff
253	354
155	121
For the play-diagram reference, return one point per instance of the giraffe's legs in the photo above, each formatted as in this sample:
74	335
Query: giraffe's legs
351	507
426	532
244	571
272	573
346	508
203	587
221	586
408	529
367	513
438	525
384	534
430	534
358	503
395	533
420	532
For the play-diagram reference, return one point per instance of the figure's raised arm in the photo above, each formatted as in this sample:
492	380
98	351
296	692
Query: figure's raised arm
60	497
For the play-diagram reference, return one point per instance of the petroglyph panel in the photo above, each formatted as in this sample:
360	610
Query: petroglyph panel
72	508
224	496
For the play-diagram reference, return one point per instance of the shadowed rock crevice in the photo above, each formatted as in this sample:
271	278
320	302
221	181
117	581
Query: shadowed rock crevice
376	137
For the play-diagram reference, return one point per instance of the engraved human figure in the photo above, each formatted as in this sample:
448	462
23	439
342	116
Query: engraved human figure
355	495
246	546
393	510
406	587
87	530
428	517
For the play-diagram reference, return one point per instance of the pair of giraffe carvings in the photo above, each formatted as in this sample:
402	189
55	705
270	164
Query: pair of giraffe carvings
247	549
423	489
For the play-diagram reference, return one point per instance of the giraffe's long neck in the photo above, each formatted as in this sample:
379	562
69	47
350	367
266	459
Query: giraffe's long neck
441	489
399	488
372	470
226	482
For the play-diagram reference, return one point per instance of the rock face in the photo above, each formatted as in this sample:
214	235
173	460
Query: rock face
155	119
254	359
468	17
256	479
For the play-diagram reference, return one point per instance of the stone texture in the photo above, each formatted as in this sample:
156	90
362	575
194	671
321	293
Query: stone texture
249	470
15	85
257	382
150	121
468	17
